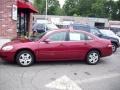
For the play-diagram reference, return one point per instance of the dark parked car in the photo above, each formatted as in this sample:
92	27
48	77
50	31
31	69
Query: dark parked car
57	45
118	33
42	27
96	31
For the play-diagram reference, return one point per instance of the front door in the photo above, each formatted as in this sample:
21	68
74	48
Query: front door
55	49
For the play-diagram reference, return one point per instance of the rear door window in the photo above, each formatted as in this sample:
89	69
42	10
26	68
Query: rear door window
75	36
80	27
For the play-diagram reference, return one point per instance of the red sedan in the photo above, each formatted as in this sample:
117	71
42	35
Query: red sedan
57	45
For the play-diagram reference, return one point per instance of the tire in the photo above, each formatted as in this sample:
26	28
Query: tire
25	58
93	57
114	47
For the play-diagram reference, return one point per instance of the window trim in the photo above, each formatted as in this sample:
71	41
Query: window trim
79	33
66	36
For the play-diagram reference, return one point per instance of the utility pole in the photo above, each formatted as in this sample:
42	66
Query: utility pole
46	14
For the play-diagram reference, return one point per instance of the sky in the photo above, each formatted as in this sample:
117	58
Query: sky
61	2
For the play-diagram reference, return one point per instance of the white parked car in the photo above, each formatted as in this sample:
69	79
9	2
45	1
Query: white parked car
110	33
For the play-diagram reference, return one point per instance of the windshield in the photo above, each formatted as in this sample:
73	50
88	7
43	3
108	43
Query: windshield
107	32
37	37
96	31
51	26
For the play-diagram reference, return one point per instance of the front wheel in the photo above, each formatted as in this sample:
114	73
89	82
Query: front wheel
25	58
93	57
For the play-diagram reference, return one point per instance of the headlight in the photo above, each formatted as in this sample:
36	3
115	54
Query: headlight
7	48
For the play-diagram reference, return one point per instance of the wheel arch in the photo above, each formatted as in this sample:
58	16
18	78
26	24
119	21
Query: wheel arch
23	49
114	43
87	59
94	49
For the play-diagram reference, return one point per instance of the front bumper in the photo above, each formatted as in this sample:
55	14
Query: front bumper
119	44
7	55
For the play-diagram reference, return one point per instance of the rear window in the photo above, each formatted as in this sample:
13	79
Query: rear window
84	28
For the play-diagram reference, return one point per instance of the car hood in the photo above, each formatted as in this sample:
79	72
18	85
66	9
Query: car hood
110	38
17	41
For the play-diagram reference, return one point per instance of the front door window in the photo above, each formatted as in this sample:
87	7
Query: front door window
61	36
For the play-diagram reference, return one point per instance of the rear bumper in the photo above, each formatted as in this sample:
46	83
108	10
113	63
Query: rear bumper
119	44
107	51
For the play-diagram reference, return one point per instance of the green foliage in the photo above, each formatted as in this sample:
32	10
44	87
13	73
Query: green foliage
86	8
53	7
117	11
98	9
70	7
93	8
40	4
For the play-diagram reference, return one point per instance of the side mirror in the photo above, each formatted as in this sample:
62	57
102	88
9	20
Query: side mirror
47	40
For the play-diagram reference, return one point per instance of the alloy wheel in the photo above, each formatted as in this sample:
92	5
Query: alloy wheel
25	59
93	57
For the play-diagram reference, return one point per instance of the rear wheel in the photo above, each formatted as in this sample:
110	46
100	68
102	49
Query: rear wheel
93	57
25	58
114	47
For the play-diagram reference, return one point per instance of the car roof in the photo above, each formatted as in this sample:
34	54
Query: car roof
72	30
83	25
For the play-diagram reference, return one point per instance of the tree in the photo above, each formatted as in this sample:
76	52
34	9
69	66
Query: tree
70	7
53	6
98	9
84	7
110	8
93	8
40	4
118	10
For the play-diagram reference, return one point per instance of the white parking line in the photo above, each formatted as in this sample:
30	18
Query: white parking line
63	83
109	76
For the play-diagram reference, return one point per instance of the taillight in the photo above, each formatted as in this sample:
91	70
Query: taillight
109	45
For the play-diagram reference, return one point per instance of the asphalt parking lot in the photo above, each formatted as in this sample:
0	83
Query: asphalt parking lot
71	75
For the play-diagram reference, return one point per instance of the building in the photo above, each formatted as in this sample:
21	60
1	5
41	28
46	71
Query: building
15	18
114	25
97	22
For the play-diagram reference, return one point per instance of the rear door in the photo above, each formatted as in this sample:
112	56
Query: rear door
78	45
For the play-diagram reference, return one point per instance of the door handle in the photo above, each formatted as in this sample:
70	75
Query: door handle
62	45
85	43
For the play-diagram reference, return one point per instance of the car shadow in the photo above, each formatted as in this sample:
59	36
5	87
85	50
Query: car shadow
53	63
47	63
70	62
5	63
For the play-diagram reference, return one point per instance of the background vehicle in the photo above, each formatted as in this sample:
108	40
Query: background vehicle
109	33
57	45
96	31
115	29
118	34
42	27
